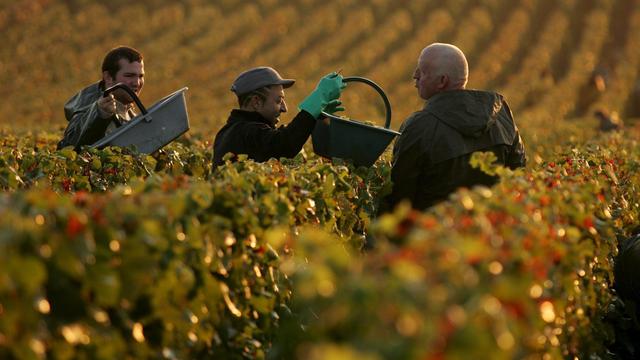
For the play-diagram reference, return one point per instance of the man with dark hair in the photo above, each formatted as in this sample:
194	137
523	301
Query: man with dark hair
251	129
431	157
90	114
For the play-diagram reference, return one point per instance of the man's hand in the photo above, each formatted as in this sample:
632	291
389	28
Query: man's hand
331	86
107	106
334	106
328	89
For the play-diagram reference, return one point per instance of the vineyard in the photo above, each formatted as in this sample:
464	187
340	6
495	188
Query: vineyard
114	254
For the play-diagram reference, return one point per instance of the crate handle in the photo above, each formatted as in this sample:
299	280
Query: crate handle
377	88
133	95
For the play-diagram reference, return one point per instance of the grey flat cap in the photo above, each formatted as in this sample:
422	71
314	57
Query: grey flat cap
258	77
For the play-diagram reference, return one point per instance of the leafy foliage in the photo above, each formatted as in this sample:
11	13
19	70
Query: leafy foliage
163	264
175	261
517	271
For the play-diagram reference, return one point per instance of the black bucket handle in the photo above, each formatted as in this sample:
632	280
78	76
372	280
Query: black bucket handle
377	88
133	96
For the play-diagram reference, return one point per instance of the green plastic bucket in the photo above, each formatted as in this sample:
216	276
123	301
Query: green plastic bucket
335	137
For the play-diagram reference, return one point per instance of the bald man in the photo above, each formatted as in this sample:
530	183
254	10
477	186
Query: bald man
431	157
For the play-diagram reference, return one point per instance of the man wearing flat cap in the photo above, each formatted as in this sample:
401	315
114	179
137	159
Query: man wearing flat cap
251	129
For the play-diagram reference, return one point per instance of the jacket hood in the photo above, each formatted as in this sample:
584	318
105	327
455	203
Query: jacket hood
83	99
470	112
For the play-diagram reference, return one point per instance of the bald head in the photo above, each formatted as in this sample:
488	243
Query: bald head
446	59
441	67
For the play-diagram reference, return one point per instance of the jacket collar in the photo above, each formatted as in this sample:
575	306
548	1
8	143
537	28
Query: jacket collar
252	116
458	97
444	96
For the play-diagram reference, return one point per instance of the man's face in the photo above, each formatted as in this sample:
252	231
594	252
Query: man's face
427	82
273	105
130	74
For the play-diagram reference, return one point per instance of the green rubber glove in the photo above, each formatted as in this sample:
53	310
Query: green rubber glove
333	106
328	88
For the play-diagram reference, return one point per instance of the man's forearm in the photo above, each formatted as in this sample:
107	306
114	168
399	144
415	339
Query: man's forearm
297	132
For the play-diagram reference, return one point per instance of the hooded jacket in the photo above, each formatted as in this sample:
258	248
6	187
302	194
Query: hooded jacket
431	157
248	132
85	124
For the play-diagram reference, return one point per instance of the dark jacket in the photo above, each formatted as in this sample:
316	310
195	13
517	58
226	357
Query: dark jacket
431	157
85	124
247	132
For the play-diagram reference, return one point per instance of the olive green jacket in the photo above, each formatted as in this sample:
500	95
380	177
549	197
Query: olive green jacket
85	124
431	157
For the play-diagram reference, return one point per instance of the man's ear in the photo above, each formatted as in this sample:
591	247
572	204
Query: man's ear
255	102
444	82
108	80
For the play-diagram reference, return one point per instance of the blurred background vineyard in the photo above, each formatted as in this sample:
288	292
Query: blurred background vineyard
552	59
113	254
